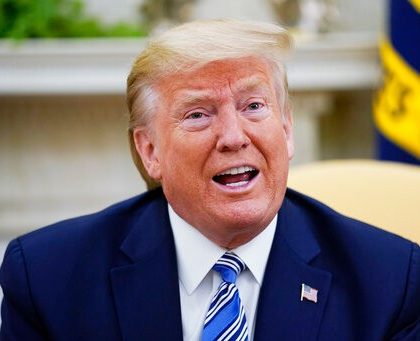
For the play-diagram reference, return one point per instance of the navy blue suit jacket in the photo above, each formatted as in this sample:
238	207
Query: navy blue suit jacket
113	275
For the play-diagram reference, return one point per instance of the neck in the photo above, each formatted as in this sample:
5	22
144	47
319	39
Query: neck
231	241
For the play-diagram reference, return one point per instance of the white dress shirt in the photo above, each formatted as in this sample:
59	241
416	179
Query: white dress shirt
196	256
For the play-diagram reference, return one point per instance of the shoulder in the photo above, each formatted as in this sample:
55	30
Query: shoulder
353	249
56	268
91	236
330	226
367	263
115	221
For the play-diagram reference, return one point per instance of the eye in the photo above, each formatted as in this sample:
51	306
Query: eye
196	119
255	106
195	115
256	109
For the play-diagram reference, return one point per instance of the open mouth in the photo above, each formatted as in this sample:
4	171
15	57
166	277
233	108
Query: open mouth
236	176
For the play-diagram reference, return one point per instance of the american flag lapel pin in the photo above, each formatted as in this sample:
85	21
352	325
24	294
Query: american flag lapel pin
308	293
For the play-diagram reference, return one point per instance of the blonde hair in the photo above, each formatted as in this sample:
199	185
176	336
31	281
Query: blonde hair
190	46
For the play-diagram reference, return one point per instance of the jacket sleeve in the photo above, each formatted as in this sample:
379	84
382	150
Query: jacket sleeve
407	326
20	320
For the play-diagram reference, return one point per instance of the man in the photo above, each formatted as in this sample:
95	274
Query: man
220	249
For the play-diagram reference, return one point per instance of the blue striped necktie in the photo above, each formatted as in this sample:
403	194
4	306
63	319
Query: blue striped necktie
225	319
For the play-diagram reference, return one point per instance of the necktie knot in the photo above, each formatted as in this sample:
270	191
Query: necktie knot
229	266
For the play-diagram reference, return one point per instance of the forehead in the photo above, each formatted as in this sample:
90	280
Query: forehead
238	74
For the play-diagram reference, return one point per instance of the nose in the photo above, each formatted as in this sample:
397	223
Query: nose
231	134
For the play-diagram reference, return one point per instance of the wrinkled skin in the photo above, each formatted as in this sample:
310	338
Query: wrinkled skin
224	114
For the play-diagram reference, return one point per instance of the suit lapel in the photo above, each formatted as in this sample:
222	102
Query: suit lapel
146	291
281	314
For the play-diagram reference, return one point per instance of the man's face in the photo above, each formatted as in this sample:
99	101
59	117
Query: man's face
221	146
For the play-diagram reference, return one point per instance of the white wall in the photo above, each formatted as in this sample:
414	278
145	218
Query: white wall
358	15
112	11
362	15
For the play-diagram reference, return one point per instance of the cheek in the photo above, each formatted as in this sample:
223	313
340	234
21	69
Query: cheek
273	137
185	156
274	148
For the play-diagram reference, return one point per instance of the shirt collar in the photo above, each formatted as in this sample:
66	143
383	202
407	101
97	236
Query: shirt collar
255	253
196	254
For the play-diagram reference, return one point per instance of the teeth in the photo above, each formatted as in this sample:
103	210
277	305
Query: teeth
237	170
237	184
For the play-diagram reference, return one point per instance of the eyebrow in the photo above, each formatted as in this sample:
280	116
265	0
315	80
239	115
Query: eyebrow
191	97
250	84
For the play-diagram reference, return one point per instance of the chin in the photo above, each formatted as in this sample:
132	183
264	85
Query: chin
247	215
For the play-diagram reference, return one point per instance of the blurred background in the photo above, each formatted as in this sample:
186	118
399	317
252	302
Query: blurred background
63	119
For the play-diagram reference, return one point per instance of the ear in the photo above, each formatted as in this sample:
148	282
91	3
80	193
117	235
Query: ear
147	150
288	129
